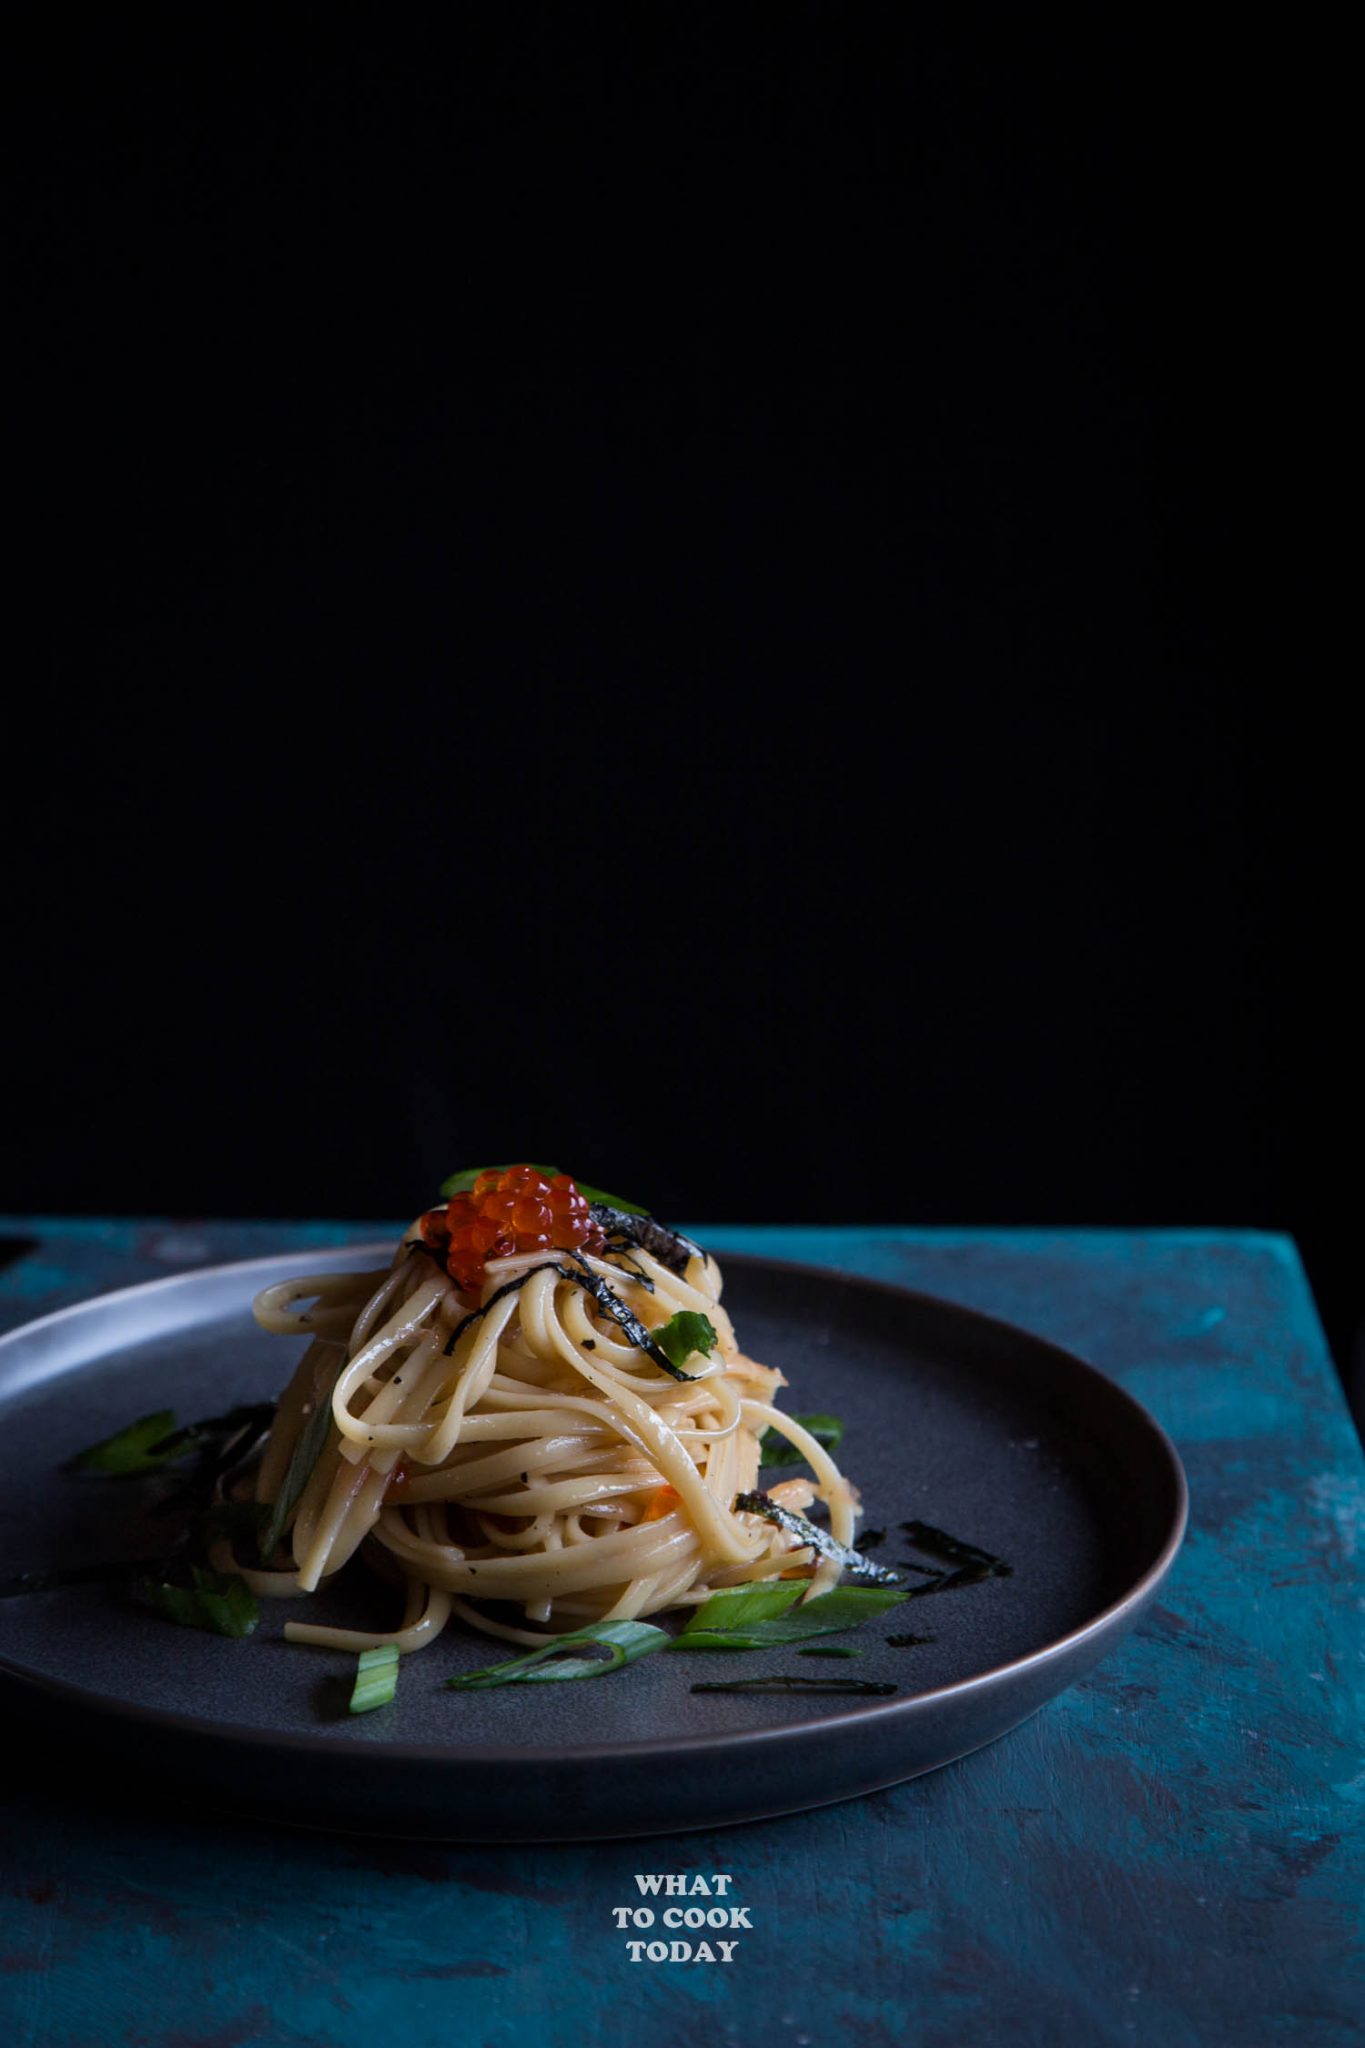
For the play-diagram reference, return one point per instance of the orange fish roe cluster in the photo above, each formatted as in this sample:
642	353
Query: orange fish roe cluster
508	1210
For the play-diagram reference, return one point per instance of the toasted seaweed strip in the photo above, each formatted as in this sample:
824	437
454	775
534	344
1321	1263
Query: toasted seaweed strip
967	1563
952	1549
909	1642
419	1244
818	1539
259	1414
660	1240
239	1521
605	1297
48	1578
476	1314
243	1432
638	1275
865	1688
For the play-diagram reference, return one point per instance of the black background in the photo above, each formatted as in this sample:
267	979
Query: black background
733	597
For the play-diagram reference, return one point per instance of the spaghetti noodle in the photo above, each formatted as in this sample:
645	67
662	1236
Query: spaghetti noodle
517	1446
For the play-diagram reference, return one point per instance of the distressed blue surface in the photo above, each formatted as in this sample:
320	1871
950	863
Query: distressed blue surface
1170	1853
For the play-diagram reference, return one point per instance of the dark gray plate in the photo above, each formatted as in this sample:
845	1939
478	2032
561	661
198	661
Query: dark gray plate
950	1418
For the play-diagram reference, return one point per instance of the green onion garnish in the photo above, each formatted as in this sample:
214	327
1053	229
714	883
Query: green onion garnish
620	1641
302	1459
755	1617
153	1441
376	1678
609	1201
827	1430
217	1601
130	1450
684	1333
460	1184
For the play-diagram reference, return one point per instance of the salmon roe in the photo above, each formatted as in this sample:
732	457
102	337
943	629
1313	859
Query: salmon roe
508	1210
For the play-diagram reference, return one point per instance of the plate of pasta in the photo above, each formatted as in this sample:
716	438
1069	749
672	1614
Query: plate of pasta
533	1523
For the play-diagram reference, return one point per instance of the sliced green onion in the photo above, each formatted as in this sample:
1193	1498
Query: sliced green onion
687	1331
755	1617
827	1430
153	1442
460	1183
308	1448
376	1678
220	1602
609	1201
130	1450
622	1641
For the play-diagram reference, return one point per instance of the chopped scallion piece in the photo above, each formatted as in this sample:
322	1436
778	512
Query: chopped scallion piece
620	1641
755	1617
217	1601
376	1678
460	1183
827	1430
131	1450
687	1331
302	1459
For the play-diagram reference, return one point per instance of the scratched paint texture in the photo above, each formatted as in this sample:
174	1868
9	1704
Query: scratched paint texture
1171	1852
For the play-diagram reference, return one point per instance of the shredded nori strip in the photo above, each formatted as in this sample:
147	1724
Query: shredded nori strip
259	1415
476	1314
909	1642
818	1539
48	1577
240	1435
952	1549
637	1273
239	1521
870	1538
866	1688
605	1297
660	1240
419	1244
967	1563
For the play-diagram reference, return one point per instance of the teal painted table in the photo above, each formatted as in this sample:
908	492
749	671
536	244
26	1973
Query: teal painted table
1170	1853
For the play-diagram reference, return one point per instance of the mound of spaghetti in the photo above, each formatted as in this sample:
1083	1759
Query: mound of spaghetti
537	1418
